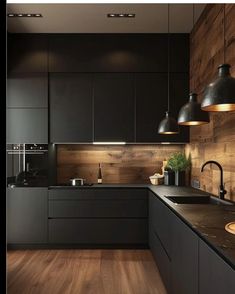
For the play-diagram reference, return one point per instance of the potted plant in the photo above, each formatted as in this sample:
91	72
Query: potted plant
179	163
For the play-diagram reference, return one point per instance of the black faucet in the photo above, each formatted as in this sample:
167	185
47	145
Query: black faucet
222	191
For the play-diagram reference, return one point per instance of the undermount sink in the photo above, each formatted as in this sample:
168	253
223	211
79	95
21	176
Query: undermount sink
198	200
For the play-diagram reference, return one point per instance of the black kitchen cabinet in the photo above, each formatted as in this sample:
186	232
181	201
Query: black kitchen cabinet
108	53
184	263
151	104
27	125
160	237
179	93
98	216
98	231
114	105
215	275
179	53
27	90
26	215
27	53
160	219
71	113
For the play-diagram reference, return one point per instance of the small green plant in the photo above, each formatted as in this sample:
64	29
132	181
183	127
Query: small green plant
178	162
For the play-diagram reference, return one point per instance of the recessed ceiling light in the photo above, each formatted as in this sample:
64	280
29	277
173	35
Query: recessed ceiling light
24	15
120	15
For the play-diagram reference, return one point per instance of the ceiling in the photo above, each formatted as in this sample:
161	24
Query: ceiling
92	18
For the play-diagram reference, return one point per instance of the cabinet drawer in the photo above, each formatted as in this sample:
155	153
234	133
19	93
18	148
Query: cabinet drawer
98	231
99	193
162	260
98	208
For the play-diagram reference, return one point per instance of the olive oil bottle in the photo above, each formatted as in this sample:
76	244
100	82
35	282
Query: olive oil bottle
99	175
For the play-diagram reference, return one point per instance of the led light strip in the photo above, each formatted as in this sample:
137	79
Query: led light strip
109	143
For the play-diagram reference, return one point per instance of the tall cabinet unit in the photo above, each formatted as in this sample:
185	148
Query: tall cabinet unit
27	89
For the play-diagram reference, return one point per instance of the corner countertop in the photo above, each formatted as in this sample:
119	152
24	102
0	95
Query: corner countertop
206	220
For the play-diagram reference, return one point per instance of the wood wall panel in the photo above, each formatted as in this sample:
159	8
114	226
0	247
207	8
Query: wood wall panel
120	164
216	140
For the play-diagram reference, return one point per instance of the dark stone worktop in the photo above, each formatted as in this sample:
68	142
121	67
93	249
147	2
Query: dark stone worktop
207	220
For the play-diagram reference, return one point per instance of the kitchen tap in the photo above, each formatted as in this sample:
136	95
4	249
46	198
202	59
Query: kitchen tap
222	191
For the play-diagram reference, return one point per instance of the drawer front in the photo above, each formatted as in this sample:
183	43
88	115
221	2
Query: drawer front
161	219
99	193
98	231
162	260
98	208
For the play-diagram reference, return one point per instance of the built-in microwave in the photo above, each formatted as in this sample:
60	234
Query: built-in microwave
27	165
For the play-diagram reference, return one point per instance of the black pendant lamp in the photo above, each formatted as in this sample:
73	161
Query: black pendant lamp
191	113
220	94
168	126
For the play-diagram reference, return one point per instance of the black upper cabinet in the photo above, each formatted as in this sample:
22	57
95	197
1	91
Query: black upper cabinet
179	93
70	107
27	90
151	104
179	52
108	53
27	125
114	107
27	53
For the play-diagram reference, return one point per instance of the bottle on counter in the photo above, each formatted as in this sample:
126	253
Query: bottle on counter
99	175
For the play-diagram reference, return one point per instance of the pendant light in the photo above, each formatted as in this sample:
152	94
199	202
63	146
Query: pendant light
191	113
220	94
168	126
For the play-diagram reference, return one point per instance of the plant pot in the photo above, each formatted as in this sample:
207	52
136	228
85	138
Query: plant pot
180	178
169	177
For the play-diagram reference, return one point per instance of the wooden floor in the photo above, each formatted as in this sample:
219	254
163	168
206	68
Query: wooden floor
83	272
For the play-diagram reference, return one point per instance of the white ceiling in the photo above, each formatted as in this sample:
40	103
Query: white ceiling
91	18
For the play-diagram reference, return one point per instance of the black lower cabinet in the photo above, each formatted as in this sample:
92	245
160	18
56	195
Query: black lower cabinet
215	275
98	231
174	247
184	263
27	215
98	216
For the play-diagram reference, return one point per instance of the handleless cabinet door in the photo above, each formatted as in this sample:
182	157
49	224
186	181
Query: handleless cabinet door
27	125
151	105
71	107
114	107
215	275
27	53
26	215
184	263
27	90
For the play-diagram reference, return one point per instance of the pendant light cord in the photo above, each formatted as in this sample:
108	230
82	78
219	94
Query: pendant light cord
224	35
168	61
193	83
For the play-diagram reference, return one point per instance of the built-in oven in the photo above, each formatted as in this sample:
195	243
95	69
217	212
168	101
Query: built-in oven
27	165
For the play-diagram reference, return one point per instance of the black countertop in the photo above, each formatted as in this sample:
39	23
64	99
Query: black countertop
206	220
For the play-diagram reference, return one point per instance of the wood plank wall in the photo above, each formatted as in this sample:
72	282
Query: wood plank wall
217	139
120	164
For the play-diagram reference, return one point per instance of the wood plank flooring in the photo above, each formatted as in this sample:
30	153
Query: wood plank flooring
83	272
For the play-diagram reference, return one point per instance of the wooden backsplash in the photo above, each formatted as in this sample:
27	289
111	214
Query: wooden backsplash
120	164
216	140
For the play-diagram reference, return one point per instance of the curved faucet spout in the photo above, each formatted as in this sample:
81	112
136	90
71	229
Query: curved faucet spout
222	190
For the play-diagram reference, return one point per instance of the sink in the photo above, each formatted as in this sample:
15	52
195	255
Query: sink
198	200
